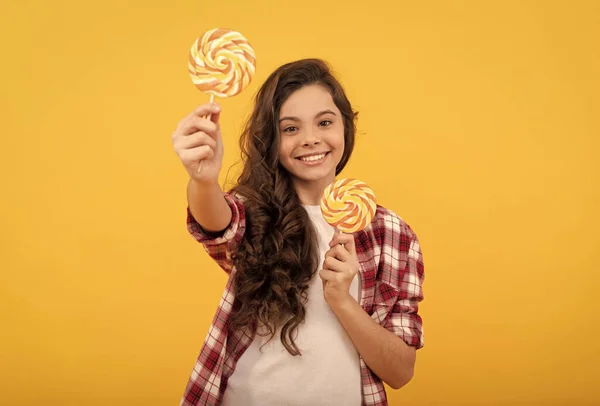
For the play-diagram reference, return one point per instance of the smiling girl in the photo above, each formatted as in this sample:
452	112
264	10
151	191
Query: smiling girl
309	316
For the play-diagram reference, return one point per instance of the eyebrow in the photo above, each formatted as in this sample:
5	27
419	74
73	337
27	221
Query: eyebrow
297	119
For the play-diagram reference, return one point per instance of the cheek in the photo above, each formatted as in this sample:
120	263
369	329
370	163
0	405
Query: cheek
284	150
340	141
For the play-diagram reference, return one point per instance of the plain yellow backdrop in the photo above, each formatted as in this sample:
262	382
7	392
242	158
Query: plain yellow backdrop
479	125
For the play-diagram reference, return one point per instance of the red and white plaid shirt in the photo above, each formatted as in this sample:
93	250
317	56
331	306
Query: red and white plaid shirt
391	275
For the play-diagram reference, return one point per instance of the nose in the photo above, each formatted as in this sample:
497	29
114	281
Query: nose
311	138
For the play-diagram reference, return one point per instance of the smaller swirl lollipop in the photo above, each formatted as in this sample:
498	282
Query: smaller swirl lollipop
222	63
349	205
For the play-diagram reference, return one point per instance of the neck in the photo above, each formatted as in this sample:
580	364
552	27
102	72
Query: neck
311	192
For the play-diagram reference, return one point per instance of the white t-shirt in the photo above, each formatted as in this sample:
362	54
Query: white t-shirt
327	372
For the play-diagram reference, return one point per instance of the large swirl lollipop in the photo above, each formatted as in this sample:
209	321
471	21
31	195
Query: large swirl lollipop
222	63
349	205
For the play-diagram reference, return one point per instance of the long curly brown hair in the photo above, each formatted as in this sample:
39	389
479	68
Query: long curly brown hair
278	255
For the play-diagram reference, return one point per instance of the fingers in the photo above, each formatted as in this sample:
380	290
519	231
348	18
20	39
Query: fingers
193	124
208	113
347	240
339	252
334	264
329	276
194	140
197	139
195	155
208	109
216	115
340	260
197	121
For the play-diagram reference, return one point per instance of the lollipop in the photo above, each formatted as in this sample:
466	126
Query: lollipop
349	205
221	63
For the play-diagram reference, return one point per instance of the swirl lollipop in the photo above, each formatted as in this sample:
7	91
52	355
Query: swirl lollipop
222	63
349	205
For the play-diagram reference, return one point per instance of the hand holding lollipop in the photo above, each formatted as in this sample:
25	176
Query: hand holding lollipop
222	63
349	205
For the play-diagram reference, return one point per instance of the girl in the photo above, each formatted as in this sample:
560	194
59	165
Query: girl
308	316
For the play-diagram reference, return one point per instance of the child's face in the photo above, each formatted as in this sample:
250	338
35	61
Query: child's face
312	135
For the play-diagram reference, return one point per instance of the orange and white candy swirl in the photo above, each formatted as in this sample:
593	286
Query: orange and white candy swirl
222	62
349	205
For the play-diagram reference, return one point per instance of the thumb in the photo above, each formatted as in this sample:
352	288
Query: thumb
336	233
215	114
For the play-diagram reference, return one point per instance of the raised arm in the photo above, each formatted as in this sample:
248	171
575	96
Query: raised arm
199	145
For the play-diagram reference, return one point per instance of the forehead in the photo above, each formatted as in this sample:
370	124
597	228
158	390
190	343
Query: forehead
308	101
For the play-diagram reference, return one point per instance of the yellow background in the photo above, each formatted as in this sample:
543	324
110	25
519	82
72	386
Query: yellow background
478	125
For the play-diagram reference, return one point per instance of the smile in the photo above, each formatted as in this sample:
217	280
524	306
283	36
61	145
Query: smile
313	158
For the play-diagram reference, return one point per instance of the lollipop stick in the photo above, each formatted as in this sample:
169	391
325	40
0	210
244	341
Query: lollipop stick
212	99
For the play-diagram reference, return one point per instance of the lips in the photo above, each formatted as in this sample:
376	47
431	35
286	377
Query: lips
313	157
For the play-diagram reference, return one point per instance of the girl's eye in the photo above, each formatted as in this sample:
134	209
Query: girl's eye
325	123
289	129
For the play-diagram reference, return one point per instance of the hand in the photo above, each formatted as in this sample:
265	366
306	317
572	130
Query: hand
199	139
339	269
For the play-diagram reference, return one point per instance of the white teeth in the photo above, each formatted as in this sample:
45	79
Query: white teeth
312	158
